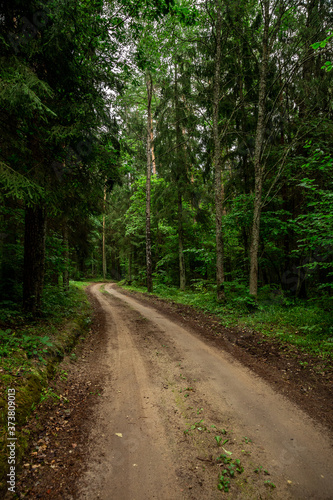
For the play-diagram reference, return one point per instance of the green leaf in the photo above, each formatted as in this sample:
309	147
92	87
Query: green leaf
327	66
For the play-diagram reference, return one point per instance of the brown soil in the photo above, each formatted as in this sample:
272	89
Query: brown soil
304	378
59	428
161	370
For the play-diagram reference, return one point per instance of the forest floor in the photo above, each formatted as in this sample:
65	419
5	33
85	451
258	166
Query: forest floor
164	402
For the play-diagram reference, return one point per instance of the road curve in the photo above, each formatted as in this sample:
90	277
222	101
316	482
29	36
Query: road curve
134	454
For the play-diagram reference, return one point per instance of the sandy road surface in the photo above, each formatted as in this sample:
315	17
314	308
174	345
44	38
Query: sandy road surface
162	379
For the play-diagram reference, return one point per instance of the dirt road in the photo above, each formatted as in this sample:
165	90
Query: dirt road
162	380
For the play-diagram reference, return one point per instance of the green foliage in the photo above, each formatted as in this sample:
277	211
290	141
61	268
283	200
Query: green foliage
21	89
61	147
58	303
29	353
48	393
196	426
260	469
328	66
16	185
26	345
32	345
26	342
322	44
305	324
218	439
231	466
270	484
315	227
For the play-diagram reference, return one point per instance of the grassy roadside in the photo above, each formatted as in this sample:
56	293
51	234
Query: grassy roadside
308	325
29	353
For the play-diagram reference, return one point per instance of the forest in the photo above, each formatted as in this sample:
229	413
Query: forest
175	146
180	152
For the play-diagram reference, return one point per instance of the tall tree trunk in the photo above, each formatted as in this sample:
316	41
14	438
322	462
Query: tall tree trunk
130	265
149	266
182	272
152	146
180	176
34	259
217	160
103	236
258	165
65	274
309	59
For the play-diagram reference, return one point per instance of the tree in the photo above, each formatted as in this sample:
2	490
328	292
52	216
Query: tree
149	85
217	158
53	93
259	141
221	96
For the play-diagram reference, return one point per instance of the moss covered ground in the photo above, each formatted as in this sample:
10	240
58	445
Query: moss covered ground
30	350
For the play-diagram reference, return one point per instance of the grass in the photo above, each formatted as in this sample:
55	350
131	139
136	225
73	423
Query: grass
27	343
81	285
84	283
305	324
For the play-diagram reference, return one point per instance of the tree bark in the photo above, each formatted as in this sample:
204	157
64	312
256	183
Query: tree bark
182	272
180	175
217	161
149	266
34	259
152	145
258	165
65	274
130	265
103	237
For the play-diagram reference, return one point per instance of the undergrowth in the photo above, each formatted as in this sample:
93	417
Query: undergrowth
29	351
